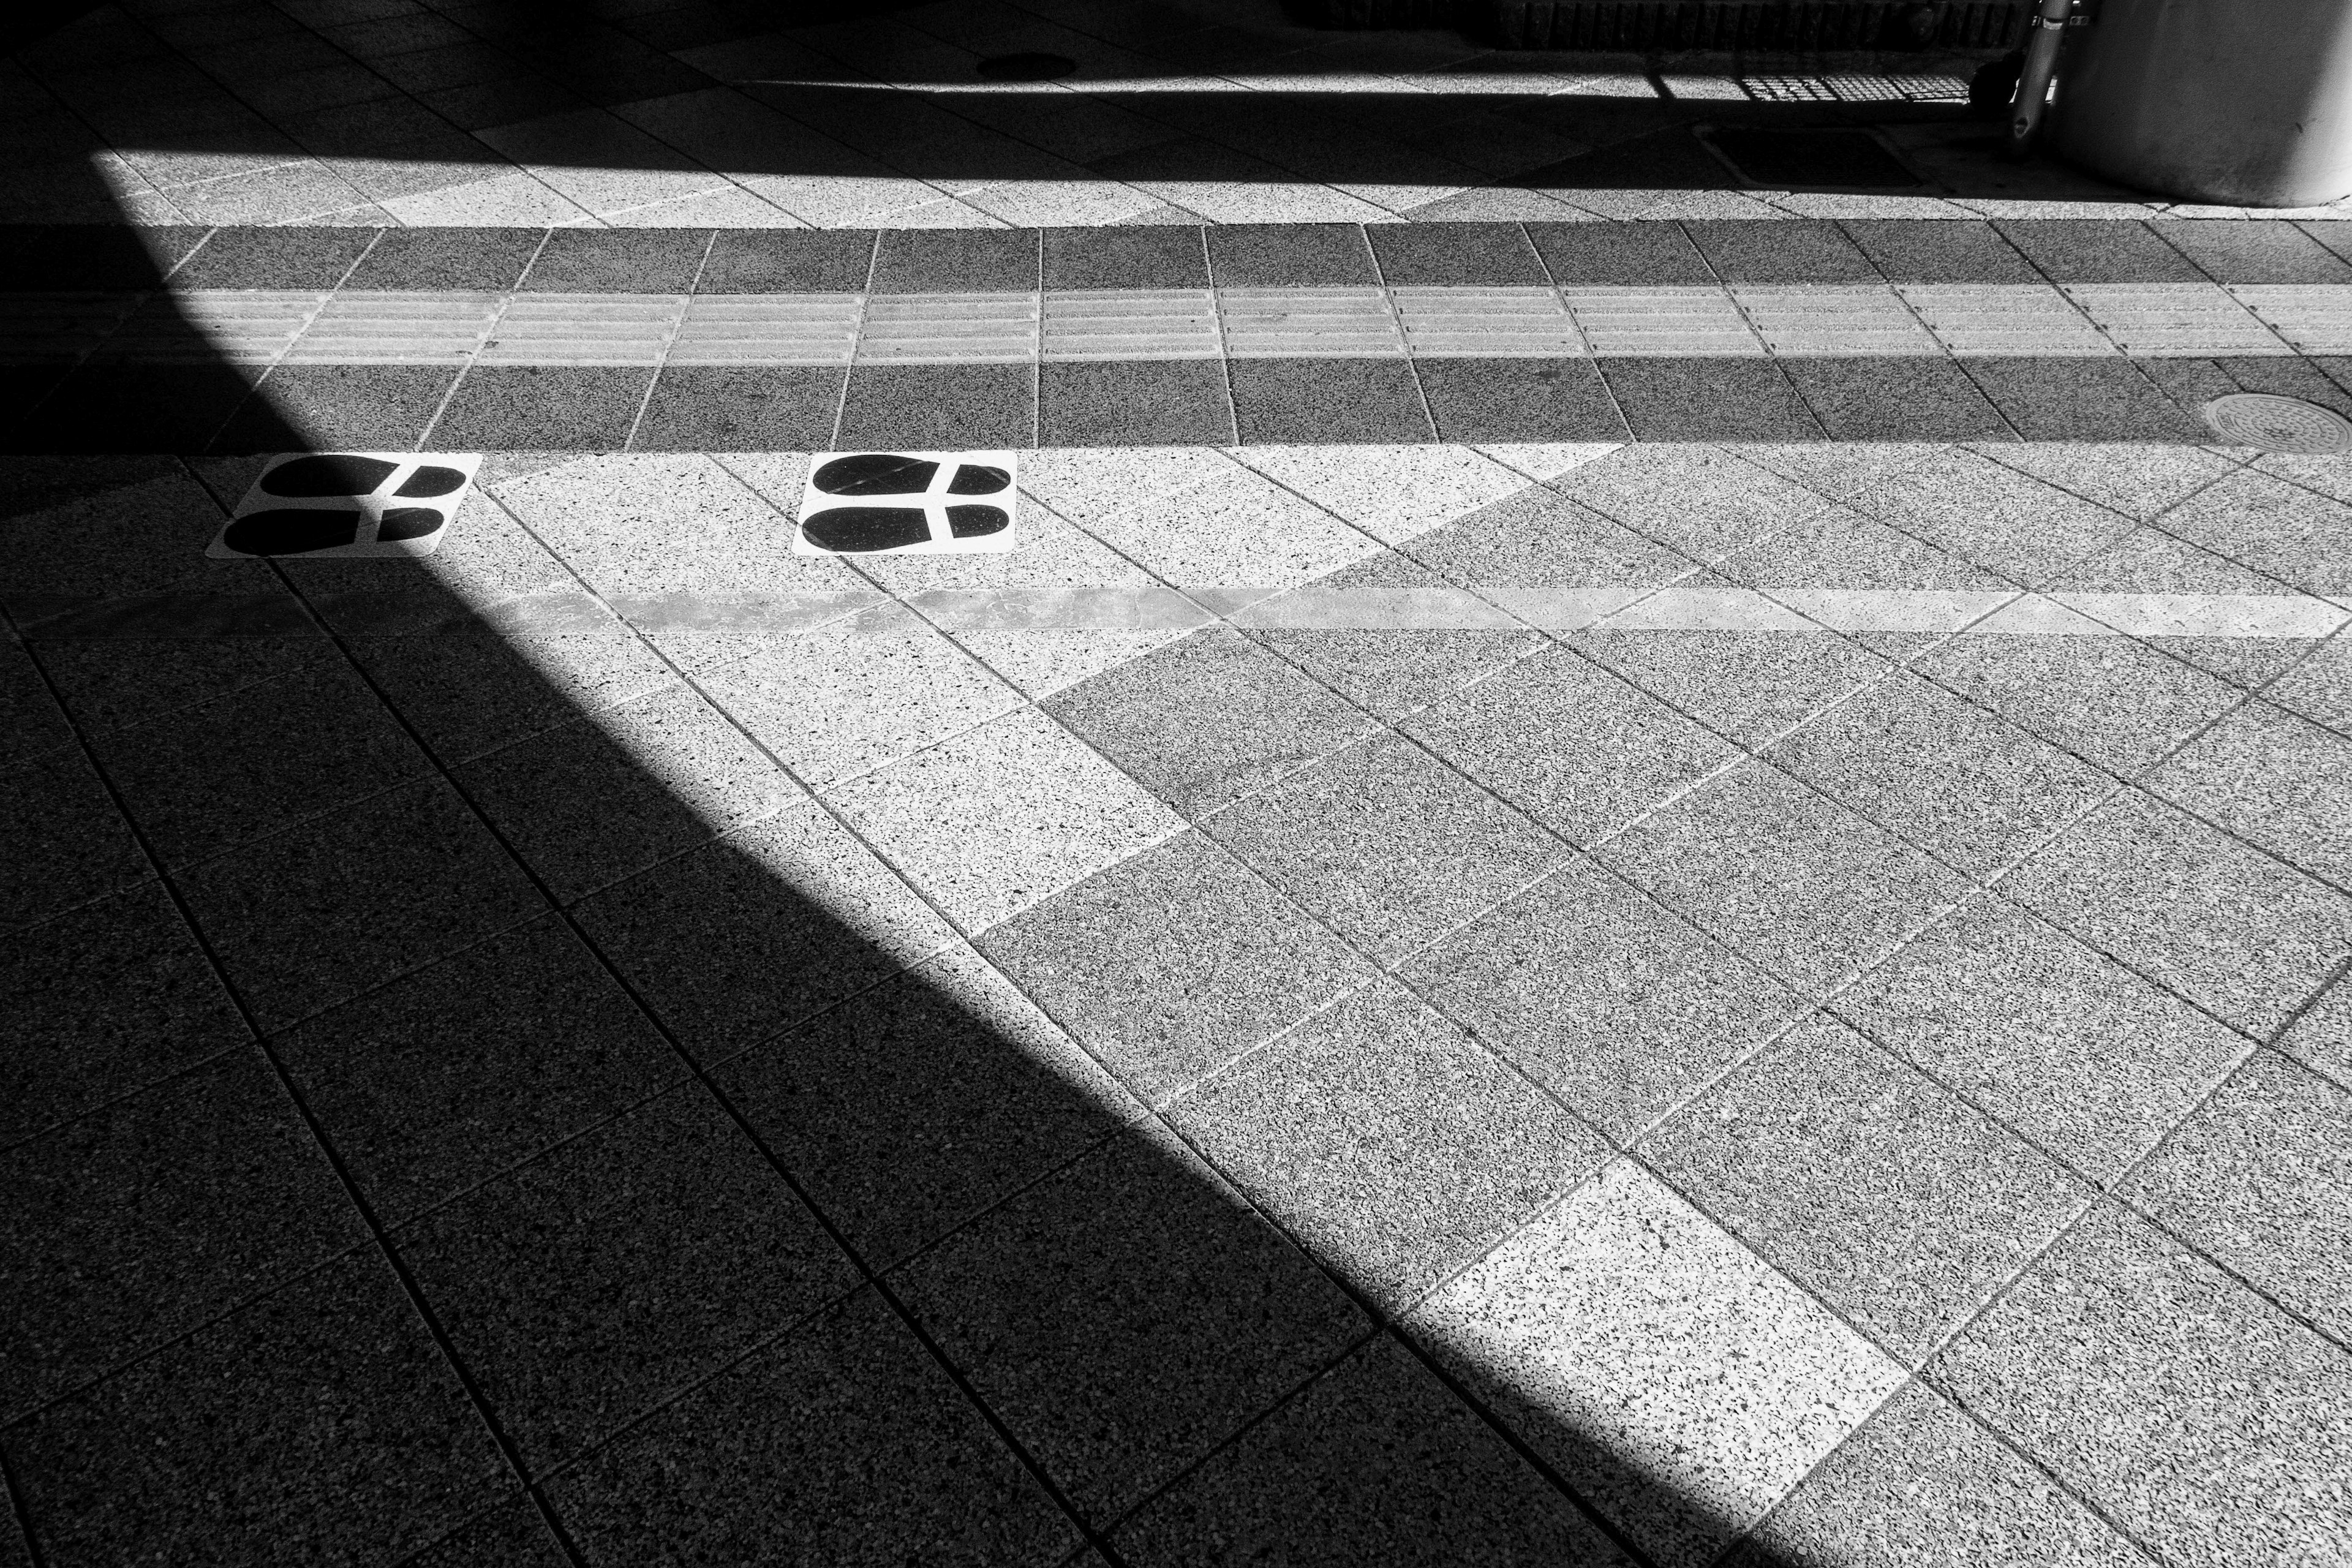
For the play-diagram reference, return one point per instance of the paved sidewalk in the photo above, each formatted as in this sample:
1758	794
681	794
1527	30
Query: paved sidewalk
1627	870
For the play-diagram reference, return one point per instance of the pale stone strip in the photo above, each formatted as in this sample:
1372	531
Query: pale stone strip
583	328
948	328
44	328
2175	320
1835	321
2210	614
1266	323
1131	324
2316	318
1499	323
2021	319
1662	322
768	329
397	329
245	326
1709	610
1925	610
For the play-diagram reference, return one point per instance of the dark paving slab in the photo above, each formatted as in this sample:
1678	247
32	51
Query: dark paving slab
540	408
2260	250
1318	400
1391	671
1112	403
617	261
2097	250
1455	253
1799	251
1478	400
1708	400
1139	257
137	408
1886	399
1207	721
887	1460
145	1218
292	258
71	257
730	409
1748	686
1376	1461
957	261
1184	919
515	1533
788	261
939	406
1867	1183
66	842
2082	400
1289	255
1126	1316
338	407
1628	255
1939	250
539	1277
552	1046
487	260
321	1419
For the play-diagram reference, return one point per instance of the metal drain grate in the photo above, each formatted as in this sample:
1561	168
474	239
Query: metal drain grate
2278	424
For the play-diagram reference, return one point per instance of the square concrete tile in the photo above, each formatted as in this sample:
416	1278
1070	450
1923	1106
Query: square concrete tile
1818	566
595	801
2320	687
917	1104
1677	401
2191	1410
1972	789
1126	1316
1750	685
1675	1381
1375	1461
2272	777
66	842
2225	926
1866	1183
1801	251
749	935
540	407
1318	400
999	817
2097	250
550	1047
2113	701
2073	1051
2281	530
856	693
1933	250
2138	480
1921	1482
1394	493
1389	845
513	1532
734	408
1393	1146
105	1000
324	1408
1699	500
139	1221
2321	1037
1231	529
1539	539
541	1276
1870	398
1171	963
1788	878
1569	743
1613	1002
1518	399
1208	720
2126	585
1117	403
2084	399
1967	505
2259	1179
887	1458
373	891
467	691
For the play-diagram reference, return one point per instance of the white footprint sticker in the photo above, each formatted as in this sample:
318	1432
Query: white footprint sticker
369	505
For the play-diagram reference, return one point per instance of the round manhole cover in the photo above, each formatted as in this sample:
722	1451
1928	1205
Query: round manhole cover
1026	66
2278	424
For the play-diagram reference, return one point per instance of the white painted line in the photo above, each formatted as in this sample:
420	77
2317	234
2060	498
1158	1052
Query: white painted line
2210	614
1810	321
2175	320
1309	323
1494	323
1131	324
768	329
1662	322
583	328
2021	319
397	329
948	328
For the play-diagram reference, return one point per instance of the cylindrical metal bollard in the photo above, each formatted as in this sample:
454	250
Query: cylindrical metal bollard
2244	102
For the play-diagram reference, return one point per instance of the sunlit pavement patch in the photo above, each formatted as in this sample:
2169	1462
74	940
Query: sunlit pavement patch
906	503
348	504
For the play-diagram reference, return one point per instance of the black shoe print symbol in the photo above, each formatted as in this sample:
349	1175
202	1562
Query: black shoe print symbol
860	529
888	474
297	531
359	482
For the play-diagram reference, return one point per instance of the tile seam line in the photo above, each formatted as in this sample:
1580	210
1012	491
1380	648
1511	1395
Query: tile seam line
1002	1431
20	1510
372	1229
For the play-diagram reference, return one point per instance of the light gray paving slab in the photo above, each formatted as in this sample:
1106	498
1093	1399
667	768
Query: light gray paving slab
2005	522
2191	1410
1750	685
1921	1483
2113	701
1675	1381
1388	1143
2232	930
1394	493
1235	529
1792	880
1816	567
2259	1179
1616	1005
2072	1050
2131	586
2289	532
2138	480
1387	844
1701	501
1571	744
2320	688
1866	1183
990	821
1963	784
2268	776
2321	1037
1836	471
1174	963
1538	541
